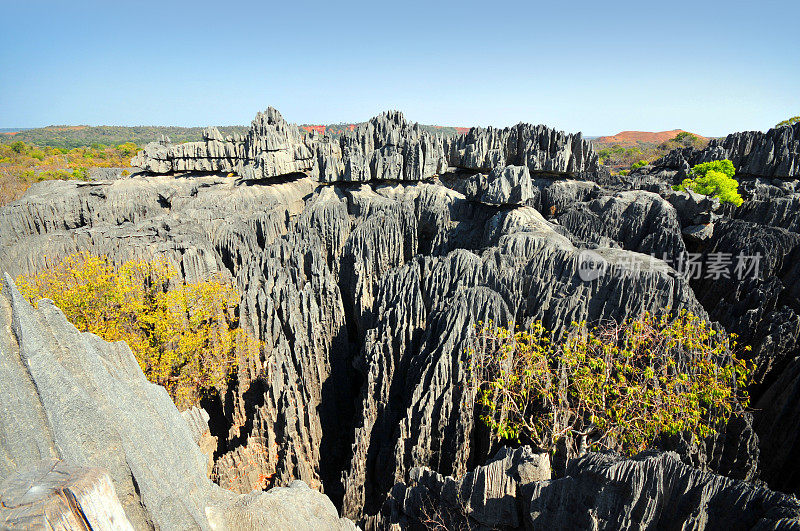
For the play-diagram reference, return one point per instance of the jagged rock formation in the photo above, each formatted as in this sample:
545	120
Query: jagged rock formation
777	423
387	148
271	148
364	261
774	154
87	402
489	497
537	147
651	490
659	491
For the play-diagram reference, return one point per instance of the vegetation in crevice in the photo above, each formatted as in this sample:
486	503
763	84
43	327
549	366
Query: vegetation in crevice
185	336
615	387
714	179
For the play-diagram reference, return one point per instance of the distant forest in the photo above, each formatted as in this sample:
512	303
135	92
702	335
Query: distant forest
74	136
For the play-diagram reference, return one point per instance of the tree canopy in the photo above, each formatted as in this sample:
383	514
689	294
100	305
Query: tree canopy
614	387
714	179
185	336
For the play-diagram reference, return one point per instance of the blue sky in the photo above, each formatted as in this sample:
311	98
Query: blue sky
711	67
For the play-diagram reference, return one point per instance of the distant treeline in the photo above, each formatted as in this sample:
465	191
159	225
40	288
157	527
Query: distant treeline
73	136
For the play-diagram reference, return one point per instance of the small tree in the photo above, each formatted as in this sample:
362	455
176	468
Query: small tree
185	336
714	179
615	387
128	149
686	139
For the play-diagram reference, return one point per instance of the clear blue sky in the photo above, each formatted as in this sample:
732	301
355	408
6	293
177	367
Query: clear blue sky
711	67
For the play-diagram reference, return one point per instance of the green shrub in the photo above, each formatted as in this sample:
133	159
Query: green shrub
55	175
618	387
723	166
637	165
714	179
185	337
81	173
128	149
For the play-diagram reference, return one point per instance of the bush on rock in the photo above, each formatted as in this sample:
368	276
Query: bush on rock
185	336
614	387
714	179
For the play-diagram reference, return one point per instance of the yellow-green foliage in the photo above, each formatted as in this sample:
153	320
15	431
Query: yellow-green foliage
789	121
23	164
618	387
714	179
185	336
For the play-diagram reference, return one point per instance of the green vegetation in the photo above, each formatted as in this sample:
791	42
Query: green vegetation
686	139
616	387
637	165
185	336
74	136
714	179
790	121
23	164
619	157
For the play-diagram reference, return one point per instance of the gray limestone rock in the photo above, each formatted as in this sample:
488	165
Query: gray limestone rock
775	153
637	220
295	507
699	233
51	494
506	185
654	491
87	402
488	497
539	148
386	148
599	491
363	263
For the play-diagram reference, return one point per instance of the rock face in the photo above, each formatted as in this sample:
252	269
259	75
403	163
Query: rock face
490	497
652	490
774	154
54	495
655	490
293	507
88	403
537	147
271	148
387	148
363	263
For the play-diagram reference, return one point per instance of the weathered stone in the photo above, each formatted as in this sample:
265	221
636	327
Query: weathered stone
293	507
87	402
655	491
51	494
775	153
387	148
699	233
364	289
